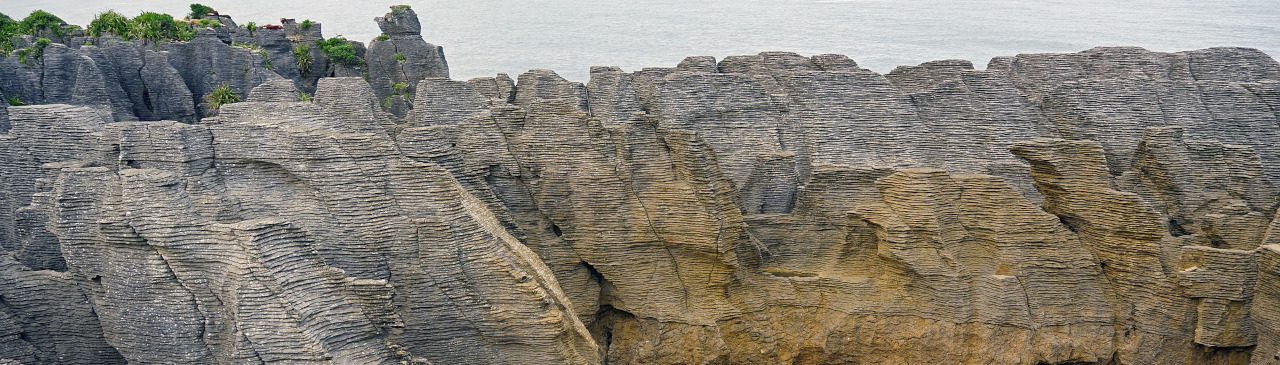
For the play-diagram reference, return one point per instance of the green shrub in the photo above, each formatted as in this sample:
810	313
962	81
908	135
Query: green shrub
304	96
8	29
157	27
400	88
306	24
382	37
221	95
339	50
39	23
110	22
154	27
302	53
14	100
399	9
199	11
400	56
251	26
41	20
210	23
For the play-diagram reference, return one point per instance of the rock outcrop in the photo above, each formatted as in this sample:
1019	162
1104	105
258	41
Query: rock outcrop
134	80
1113	206
400	58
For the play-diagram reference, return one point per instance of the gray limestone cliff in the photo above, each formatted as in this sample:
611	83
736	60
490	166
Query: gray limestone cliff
1112	206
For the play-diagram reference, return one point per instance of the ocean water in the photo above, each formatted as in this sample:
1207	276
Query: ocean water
484	37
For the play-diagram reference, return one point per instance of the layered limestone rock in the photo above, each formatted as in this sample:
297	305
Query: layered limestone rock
826	110
280	47
1111	95
1267	295
135	80
44	305
1114	206
60	75
149	81
399	59
143	83
240	246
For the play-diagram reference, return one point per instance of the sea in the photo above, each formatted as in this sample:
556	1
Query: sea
486	37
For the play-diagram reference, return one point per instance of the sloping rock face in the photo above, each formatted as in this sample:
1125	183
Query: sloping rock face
1114	206
239	246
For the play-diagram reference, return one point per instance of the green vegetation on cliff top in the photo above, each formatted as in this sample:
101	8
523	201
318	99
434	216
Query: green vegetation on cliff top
39	23
8	28
340	50
160	27
200	10
42	21
155	27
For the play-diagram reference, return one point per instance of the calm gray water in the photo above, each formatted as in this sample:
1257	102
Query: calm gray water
484	37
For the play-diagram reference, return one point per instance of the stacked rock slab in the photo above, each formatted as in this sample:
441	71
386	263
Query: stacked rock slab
1267	295
1111	95
278	232
549	159
4	116
780	108
143	80
976	114
61	75
134	80
1114	206
398	61
54	320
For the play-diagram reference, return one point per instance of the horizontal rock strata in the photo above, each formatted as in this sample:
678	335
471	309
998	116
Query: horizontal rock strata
1112	206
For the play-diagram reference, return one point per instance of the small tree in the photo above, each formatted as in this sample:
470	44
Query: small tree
199	11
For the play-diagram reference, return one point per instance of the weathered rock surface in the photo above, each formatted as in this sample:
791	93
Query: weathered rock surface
1114	206
398	61
132	80
141	80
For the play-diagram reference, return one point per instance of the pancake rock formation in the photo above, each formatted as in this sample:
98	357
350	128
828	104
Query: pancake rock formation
1112	206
